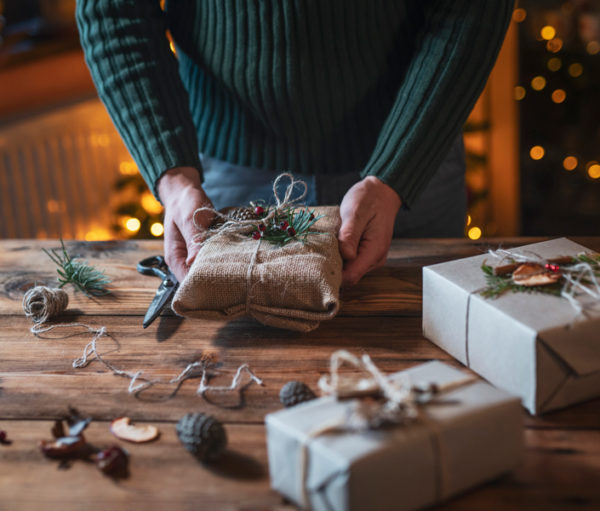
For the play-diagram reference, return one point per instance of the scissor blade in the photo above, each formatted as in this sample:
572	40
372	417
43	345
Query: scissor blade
163	296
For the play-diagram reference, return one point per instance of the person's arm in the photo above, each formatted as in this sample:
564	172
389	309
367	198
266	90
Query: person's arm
137	78
454	54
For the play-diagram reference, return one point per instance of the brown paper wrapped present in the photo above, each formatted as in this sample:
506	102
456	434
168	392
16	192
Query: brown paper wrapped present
294	286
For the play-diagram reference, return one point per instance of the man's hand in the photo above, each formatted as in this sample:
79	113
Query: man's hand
368	212
181	193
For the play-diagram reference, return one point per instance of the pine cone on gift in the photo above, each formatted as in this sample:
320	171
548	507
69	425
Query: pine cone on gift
295	392
241	214
237	214
202	435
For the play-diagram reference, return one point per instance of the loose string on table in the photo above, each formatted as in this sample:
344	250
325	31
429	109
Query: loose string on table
42	303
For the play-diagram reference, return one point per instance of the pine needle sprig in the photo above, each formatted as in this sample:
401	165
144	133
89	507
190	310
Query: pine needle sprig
497	285
85	278
287	225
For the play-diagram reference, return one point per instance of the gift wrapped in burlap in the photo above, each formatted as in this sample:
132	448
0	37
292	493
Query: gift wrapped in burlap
294	286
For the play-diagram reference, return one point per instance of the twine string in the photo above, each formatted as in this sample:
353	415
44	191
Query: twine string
235	384
42	303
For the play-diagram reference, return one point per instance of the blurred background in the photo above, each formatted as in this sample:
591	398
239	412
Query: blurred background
533	139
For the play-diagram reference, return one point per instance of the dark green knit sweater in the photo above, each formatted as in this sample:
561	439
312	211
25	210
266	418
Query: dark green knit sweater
310	86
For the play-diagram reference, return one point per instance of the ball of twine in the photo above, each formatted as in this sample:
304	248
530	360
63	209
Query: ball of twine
41	303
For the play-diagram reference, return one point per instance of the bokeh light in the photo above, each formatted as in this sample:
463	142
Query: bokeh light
538	83
594	171
554	64
157	229
519	15
554	45
559	95
570	163
575	69
474	233
520	92
537	152
132	224
548	32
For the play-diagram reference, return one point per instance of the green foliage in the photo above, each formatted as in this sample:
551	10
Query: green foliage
497	285
85	278
300	220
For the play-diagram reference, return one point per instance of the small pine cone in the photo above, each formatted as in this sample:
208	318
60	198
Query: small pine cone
241	214
295	392
202	435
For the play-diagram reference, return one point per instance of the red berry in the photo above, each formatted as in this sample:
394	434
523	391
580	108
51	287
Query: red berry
256	235
259	210
262	227
284	225
291	231
2	436
552	267
312	216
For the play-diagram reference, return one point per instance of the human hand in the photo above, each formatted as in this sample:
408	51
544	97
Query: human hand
181	193
368	211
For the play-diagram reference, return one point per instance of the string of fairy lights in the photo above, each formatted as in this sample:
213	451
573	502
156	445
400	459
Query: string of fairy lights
548	35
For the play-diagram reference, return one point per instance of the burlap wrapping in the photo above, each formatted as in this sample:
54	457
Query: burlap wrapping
295	286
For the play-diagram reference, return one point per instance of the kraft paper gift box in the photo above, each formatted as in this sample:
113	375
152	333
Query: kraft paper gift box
470	435
533	345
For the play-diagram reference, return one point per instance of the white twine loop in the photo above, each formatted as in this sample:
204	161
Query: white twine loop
40	303
236	382
399	399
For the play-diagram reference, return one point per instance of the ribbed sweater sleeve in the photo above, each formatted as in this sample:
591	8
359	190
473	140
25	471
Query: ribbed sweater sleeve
453	57
132	66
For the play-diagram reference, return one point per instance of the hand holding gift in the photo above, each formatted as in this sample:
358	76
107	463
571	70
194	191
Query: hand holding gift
286	276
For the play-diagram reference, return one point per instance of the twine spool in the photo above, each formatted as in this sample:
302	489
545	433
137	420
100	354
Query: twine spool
41	303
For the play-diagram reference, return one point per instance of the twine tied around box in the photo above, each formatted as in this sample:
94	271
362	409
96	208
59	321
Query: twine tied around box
381	401
243	227
580	275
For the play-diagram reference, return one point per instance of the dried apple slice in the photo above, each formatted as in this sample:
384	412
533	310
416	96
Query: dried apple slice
123	429
533	274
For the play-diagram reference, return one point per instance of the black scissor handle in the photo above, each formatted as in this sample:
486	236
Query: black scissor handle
154	265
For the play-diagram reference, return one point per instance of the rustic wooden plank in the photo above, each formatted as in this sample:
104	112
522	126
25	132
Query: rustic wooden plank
162	474
38	379
389	291
393	290
559	473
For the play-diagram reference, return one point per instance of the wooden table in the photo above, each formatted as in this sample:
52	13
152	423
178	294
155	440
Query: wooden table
381	316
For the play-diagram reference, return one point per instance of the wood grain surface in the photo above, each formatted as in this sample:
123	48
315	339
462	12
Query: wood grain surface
381	316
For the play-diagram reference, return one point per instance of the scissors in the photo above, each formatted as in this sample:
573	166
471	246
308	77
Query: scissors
155	265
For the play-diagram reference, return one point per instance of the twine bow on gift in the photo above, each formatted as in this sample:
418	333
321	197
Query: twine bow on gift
380	401
243	227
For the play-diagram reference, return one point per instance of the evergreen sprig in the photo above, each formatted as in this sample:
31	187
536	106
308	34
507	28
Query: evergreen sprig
497	285
84	277
285	226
